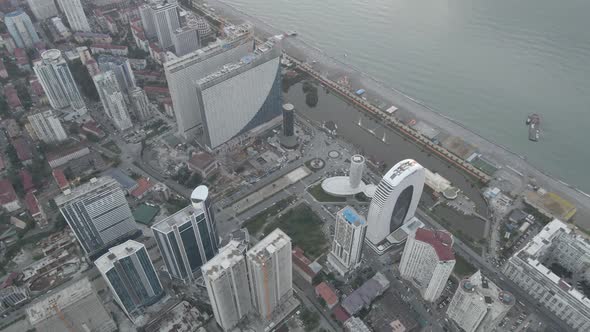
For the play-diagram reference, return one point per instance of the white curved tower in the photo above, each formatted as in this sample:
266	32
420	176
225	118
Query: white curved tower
395	200
357	167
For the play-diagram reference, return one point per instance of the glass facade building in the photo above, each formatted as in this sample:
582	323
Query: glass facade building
131	276
187	240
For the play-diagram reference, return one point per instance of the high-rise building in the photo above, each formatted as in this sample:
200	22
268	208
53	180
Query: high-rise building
21	28
357	168
47	127
226	279
112	99
130	274
43	9
166	21
349	236
122	69
57	81
479	305
75	15
147	21
427	261
288	138
188	238
529	269
98	213
240	96
270	273
181	74
395	200
140	103
186	40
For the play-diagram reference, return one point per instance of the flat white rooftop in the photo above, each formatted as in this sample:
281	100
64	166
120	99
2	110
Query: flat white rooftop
228	256
340	186
179	218
128	248
267	246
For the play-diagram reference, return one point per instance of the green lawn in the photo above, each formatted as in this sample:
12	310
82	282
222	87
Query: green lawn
462	267
321	196
305	229
256	223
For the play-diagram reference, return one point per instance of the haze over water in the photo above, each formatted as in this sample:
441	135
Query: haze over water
485	63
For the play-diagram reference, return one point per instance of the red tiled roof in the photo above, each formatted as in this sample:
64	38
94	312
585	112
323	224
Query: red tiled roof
440	241
302	262
7	193
27	179
37	87
60	178
340	314
64	152
12	96
23	150
92	127
327	293
32	203
143	185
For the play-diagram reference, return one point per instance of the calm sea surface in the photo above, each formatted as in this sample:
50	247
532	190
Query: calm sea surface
485	63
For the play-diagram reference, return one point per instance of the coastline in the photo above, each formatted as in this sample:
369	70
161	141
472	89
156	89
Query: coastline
508	160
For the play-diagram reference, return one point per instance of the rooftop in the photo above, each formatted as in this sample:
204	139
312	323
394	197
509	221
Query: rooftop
84	189
402	170
364	295
327	293
350	215
60	178
228	256
7	193
32	204
124	180
440	241
143	185
267	246
116	253
177	219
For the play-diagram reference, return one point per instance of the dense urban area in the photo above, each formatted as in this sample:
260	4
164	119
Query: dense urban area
177	166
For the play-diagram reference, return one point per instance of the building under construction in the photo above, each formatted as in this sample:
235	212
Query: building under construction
72	307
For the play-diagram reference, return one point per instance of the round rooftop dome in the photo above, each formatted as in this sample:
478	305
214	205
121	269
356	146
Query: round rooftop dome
288	107
506	298
52	54
200	194
467	286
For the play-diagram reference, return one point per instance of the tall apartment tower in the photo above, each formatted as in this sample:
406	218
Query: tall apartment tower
226	279
186	40
21	28
427	261
288	139
479	305
349	236
140	103
122	69
166	21
47	127
130	274
182	72
270	273
43	9
75	15
57	81
188	239
357	168
98	213
112	99
147	21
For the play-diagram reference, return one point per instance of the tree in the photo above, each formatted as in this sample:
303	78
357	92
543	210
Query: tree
311	319
311	98
40	169
23	94
195	180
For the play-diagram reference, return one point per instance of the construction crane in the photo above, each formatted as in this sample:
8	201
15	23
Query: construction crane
61	316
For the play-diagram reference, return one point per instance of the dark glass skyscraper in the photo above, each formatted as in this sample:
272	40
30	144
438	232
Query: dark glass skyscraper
130	274
188	238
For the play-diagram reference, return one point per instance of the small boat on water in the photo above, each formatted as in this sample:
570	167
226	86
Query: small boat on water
534	123
291	33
